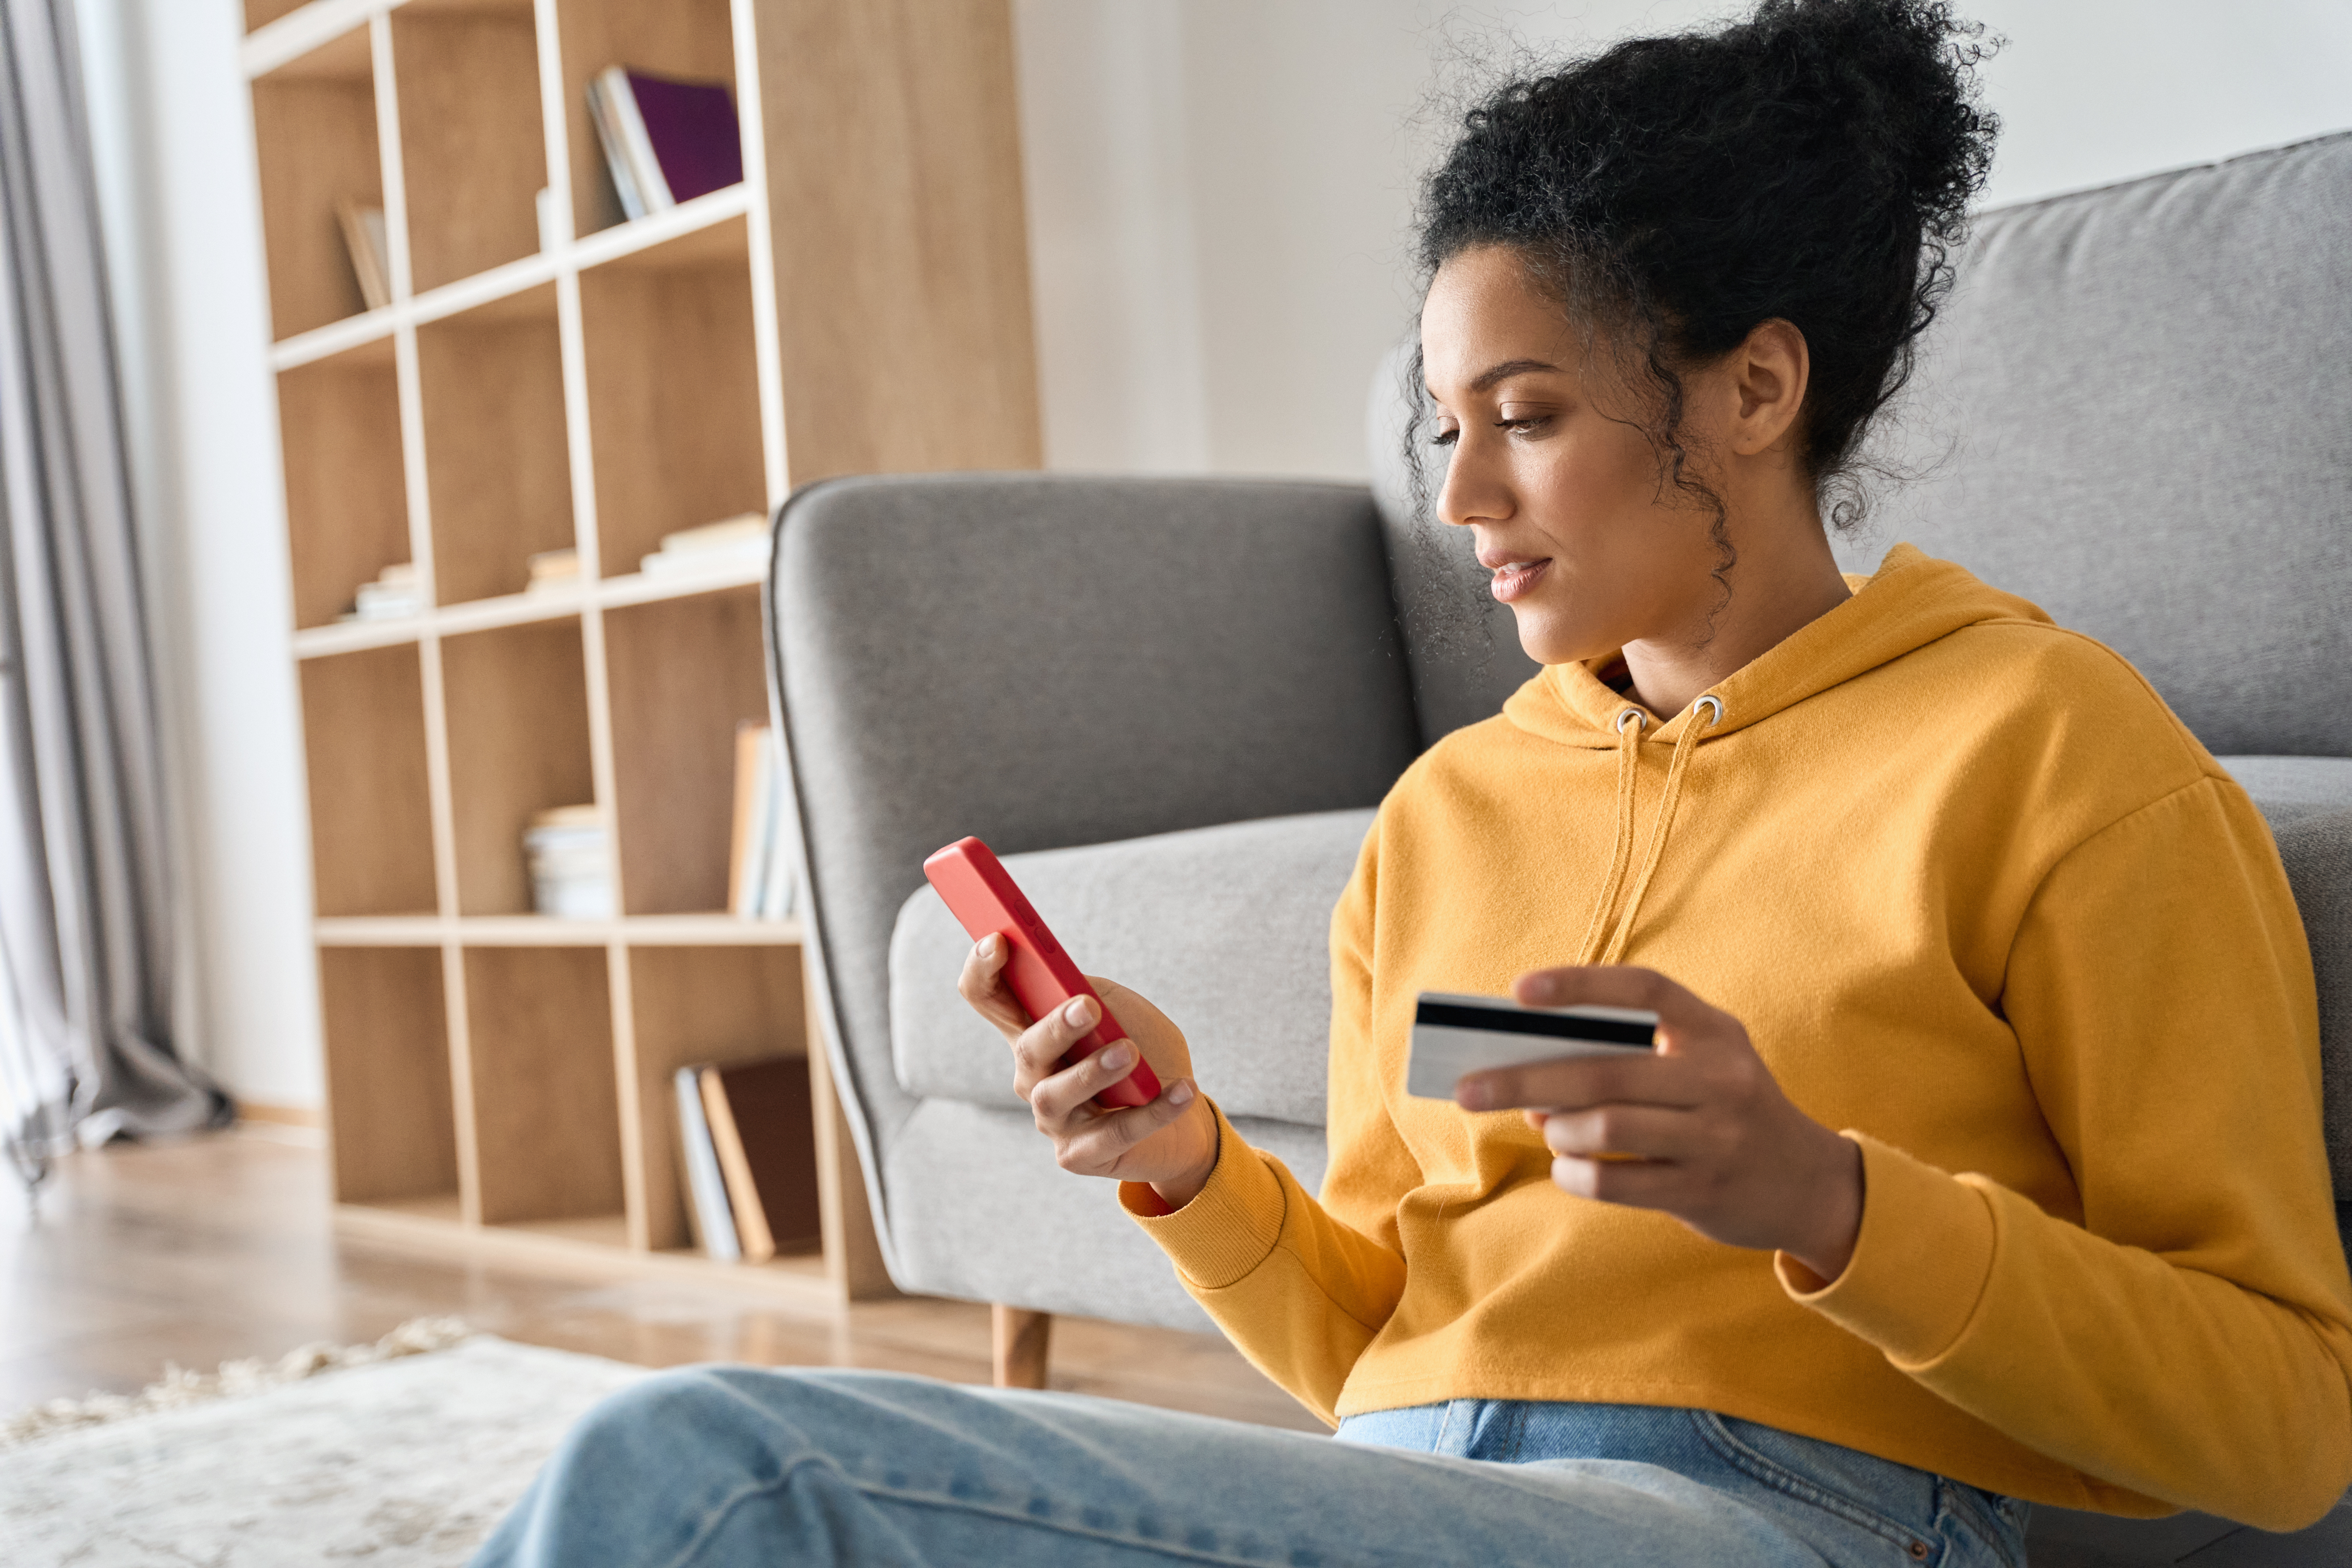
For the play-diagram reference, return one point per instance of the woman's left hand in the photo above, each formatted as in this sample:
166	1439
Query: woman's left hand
1697	1129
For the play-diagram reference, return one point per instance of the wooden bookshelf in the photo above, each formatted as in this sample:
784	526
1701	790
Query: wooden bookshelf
499	1083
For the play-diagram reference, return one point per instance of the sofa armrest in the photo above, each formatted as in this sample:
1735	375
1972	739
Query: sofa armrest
1052	661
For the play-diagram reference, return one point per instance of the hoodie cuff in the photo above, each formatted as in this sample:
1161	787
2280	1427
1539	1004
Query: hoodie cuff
1231	1225
1919	1264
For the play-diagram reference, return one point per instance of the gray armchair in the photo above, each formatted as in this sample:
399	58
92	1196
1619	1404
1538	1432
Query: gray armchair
1171	704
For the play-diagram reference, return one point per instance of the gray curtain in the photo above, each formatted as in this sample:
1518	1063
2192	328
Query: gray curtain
86	970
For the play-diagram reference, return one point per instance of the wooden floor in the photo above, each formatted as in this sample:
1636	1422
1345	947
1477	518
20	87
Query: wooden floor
223	1246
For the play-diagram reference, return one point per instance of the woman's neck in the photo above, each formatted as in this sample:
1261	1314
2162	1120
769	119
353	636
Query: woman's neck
1783	579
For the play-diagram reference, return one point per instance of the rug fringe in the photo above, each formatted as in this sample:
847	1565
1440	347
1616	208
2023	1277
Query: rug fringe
179	1386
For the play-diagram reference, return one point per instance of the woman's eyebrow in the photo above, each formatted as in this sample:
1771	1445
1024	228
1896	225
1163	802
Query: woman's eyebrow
1508	368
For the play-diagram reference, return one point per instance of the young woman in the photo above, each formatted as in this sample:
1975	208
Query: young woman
1980	1159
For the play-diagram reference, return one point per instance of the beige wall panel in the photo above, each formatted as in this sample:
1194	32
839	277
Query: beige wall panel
901	254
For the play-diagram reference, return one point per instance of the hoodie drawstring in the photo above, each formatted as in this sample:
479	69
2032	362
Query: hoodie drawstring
1629	743
1619	851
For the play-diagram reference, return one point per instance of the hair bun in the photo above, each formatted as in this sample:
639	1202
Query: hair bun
1814	164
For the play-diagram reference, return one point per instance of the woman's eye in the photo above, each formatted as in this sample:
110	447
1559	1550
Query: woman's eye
1445	437
1527	426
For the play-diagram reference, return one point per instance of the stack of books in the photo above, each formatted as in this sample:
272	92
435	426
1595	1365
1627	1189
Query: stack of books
760	876
554	569
738	544
569	853
748	1144
394	593
666	142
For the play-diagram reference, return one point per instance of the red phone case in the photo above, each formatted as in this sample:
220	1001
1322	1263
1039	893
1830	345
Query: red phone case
983	895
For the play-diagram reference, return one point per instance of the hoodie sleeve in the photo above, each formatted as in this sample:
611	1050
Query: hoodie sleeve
1301	1290
2188	1337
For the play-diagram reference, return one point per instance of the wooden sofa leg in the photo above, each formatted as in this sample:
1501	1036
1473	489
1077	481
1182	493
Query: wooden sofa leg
1018	1340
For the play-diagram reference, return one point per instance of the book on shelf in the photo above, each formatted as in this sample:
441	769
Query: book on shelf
370	259
665	141
708	1215
737	543
760	877
763	1137
554	569
568	851
397	591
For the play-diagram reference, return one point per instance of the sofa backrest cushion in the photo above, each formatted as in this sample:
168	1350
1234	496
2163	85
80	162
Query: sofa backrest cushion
1044	661
2136	410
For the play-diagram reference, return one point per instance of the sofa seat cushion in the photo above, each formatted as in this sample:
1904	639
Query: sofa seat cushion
1226	929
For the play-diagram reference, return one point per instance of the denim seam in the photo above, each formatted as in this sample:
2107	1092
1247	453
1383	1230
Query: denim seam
718	1516
1976	1516
1763	1467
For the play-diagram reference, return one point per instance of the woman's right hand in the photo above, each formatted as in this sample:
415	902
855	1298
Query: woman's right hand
1171	1142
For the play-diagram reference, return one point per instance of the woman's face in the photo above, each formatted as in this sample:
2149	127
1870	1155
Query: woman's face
1588	545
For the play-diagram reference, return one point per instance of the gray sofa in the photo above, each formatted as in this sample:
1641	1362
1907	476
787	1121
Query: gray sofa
1172	704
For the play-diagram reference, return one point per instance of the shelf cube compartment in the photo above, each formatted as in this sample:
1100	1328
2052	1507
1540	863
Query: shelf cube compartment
673	392
690	1006
392	1134
689	40
473	139
539	1026
497	470
683	673
517	700
346	496
371	813
314	127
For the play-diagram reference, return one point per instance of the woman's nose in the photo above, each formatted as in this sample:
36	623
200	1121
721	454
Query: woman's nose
1468	490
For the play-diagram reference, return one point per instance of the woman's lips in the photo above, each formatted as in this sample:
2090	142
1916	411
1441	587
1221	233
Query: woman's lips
1517	579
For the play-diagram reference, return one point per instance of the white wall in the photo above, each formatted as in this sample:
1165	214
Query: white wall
1279	139
173	142
1219	194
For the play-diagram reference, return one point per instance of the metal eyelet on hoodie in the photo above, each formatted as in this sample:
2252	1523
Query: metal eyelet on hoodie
1627	754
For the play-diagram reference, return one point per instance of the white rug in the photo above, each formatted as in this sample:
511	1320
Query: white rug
406	1463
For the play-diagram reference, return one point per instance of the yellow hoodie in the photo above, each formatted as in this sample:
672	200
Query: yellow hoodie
1981	901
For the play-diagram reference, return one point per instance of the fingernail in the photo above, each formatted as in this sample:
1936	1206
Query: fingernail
1079	1014
1473	1094
987	948
1117	1058
1180	1094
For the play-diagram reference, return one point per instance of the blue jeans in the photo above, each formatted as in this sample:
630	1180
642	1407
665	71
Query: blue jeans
717	1467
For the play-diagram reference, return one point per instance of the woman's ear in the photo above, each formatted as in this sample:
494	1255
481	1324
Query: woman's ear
1769	374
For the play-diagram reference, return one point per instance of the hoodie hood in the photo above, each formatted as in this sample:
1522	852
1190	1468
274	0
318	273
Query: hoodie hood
1910	601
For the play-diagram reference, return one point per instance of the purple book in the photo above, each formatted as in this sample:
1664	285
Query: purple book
692	130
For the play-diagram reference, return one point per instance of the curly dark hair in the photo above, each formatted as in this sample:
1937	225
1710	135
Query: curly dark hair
1815	162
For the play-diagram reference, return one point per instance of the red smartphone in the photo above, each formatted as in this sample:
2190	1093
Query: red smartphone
982	894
